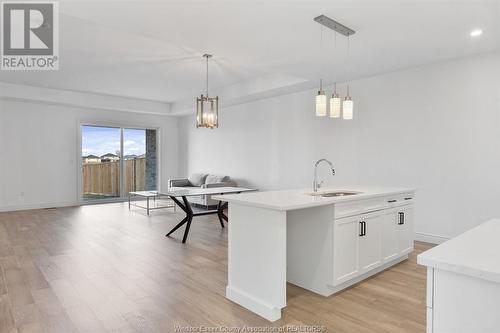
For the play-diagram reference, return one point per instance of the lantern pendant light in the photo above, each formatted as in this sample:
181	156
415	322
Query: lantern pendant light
335	103
207	108
321	101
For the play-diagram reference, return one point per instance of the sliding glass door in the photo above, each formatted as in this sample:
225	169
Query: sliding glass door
116	161
101	162
139	155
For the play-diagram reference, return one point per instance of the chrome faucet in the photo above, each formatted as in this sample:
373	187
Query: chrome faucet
317	185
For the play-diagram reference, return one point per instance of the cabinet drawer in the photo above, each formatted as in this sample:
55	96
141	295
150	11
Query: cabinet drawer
400	199
346	209
358	207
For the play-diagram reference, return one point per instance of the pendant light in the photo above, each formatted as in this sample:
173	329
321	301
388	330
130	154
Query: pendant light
321	97
335	103
348	104
207	108
321	101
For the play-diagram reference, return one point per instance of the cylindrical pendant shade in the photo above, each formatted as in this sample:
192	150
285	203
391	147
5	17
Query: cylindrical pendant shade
321	104
348	108
335	106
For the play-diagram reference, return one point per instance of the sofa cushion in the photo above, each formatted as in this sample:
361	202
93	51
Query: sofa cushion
179	182
212	179
197	179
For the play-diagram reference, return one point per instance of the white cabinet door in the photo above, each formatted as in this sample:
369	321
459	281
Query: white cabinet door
363	242
405	229
345	249
369	242
390	242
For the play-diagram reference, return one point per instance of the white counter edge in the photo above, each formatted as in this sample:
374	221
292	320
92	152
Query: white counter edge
240	199
429	258
460	269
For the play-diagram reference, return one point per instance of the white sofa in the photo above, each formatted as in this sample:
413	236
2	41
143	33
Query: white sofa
202	180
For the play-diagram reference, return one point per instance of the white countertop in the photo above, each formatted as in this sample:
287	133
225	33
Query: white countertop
298	199
475	253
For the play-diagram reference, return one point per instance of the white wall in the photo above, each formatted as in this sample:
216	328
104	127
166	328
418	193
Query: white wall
435	128
39	145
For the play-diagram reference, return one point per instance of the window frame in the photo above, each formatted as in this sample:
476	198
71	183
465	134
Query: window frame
121	126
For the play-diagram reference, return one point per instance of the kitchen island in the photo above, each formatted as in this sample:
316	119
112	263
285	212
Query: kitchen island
463	282
322	241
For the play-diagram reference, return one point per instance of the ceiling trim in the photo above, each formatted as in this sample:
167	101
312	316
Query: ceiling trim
28	93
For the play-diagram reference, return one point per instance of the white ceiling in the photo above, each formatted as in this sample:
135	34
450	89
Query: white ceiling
152	49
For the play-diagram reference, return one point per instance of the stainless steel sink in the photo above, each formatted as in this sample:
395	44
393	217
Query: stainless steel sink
334	194
338	194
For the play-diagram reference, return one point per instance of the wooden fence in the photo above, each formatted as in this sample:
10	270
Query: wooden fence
103	179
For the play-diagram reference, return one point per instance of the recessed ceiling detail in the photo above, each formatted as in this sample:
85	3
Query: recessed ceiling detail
262	48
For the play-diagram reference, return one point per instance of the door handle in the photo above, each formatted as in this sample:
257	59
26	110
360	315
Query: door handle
401	218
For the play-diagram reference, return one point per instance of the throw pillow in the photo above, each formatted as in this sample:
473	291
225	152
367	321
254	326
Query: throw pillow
197	179
212	179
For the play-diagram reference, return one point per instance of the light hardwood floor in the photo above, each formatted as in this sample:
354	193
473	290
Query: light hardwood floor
104	269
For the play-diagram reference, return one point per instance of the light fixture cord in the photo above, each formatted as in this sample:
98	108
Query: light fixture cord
323	65
207	76
348	60
333	62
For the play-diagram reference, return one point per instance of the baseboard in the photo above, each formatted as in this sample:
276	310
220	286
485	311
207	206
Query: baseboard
13	208
253	304
428	238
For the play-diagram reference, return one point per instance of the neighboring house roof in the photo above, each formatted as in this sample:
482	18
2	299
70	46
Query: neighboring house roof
91	156
109	155
129	157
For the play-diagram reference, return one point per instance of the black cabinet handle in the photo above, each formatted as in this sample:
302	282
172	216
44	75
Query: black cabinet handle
362	226
401	218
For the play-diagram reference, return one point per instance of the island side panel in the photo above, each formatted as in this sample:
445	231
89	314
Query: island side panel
463	303
310	248
257	259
